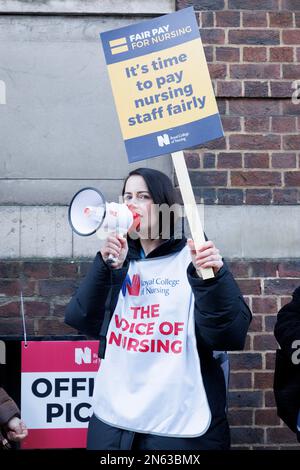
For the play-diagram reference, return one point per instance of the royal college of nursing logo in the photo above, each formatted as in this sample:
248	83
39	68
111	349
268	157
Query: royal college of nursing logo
133	286
163	140
85	356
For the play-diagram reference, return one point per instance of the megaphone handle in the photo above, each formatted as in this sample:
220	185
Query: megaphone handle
111	259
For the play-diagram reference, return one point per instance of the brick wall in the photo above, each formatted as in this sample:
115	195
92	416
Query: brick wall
48	284
253	51
267	285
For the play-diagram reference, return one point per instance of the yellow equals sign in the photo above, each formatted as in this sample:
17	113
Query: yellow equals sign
118	45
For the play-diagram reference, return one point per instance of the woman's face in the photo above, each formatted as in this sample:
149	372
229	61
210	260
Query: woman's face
139	199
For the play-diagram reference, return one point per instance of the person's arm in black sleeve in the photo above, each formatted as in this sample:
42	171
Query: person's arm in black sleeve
222	317
86	309
287	327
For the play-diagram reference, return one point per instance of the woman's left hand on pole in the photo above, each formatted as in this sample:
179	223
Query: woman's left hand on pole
208	256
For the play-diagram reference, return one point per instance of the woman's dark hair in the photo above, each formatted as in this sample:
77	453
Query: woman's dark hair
161	189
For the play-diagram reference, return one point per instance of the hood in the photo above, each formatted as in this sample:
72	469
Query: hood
172	245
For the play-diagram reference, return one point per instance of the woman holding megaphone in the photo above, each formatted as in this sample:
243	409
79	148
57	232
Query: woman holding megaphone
159	385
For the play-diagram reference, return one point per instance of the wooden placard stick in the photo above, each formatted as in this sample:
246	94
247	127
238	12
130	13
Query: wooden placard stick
190	207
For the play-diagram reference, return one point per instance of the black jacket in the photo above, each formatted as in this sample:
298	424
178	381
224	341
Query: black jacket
221	315
287	371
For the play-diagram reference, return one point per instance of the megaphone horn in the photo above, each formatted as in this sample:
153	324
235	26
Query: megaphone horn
87	211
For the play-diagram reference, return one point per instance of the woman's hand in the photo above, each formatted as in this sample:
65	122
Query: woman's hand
208	256
16	429
117	246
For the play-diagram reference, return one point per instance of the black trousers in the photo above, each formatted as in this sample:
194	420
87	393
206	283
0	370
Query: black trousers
102	436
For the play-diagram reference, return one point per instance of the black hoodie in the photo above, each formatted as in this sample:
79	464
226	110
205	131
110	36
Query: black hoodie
287	367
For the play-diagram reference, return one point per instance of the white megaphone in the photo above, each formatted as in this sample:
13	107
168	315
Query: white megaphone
89	213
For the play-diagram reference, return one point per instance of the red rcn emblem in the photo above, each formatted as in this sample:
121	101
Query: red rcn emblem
133	287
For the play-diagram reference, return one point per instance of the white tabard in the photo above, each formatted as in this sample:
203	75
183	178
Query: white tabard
150	380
